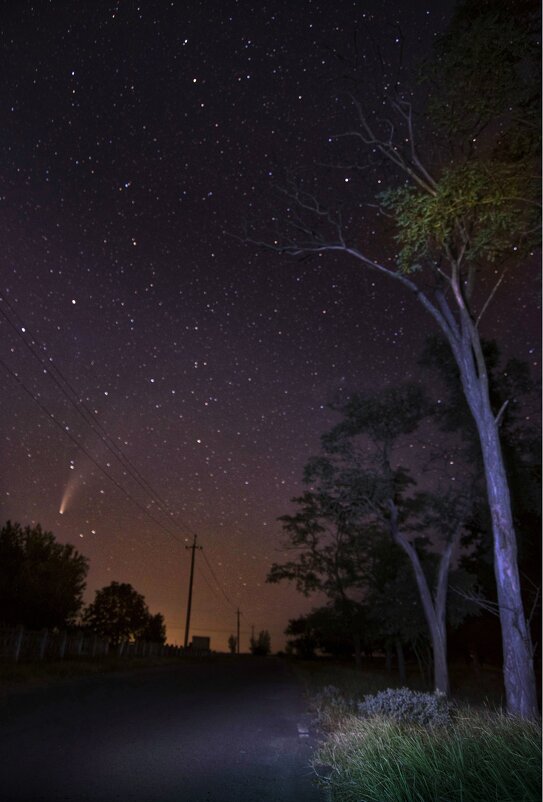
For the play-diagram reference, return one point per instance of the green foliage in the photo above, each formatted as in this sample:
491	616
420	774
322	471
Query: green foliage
41	581
483	203
480	757
485	68
490	206
118	613
261	645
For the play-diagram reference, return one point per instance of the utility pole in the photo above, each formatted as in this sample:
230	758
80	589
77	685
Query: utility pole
238	615
189	605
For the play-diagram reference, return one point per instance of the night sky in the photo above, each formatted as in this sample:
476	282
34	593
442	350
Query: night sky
134	135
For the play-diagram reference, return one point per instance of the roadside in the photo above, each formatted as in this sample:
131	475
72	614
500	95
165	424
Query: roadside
24	676
378	741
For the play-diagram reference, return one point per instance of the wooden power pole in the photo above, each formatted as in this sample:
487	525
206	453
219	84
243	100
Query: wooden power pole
189	605
237	616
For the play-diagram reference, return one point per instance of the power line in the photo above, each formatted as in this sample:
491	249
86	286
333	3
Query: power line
89	418
66	431
209	629
216	580
208	583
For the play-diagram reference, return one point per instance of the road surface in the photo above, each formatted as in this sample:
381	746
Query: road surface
219	729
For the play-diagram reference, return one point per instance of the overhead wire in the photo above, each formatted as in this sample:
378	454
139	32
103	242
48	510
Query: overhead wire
90	419
206	580
219	585
82	448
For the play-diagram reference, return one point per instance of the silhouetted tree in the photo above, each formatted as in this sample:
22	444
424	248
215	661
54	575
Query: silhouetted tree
41	581
232	644
329	555
155	629
360	466
118	612
302	637
326	629
261	645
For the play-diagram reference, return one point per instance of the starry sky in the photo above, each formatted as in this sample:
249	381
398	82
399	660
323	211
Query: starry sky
160	377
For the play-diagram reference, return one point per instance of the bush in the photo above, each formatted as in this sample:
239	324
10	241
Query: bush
330	707
410	707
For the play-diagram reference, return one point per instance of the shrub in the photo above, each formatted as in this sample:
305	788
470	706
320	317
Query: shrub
479	758
330	707
405	706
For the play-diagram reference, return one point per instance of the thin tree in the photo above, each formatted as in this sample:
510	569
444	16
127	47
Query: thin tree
359	463
454	218
328	555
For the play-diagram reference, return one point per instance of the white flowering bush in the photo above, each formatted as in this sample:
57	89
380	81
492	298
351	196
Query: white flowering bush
405	706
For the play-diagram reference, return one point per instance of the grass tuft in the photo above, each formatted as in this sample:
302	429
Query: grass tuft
480	757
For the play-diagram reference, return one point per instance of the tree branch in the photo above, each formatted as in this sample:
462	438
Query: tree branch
491	295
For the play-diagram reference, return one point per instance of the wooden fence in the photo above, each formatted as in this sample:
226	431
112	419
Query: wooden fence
20	644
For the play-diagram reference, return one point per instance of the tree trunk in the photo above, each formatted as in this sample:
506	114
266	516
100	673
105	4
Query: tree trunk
401	661
421	664
518	669
388	657
439	648
434	612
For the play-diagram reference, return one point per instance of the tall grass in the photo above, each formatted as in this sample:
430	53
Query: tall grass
481	757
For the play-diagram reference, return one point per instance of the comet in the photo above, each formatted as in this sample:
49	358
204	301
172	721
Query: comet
69	493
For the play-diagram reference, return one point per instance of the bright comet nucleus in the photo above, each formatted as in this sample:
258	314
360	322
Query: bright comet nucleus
69	492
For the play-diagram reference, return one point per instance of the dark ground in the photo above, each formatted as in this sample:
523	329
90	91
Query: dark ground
219	729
